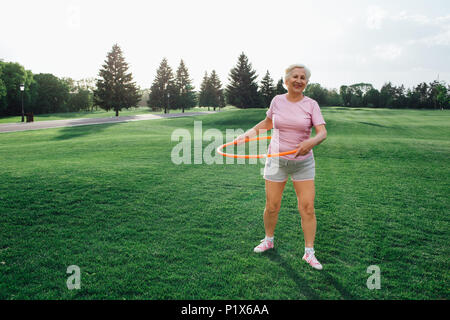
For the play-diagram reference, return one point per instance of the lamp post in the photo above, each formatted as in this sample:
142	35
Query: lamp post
168	105
166	89
22	88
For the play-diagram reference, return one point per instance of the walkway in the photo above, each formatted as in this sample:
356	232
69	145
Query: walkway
24	126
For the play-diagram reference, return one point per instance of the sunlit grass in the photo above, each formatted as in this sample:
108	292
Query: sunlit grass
99	113
108	199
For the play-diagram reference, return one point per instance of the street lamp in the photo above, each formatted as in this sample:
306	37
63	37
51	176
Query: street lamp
166	89
22	88
168	105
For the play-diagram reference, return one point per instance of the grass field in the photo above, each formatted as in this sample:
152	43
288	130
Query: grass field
100	114
108	199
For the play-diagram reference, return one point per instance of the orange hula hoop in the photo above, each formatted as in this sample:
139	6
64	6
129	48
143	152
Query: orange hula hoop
249	156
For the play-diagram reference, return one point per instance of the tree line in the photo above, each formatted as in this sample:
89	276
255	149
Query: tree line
115	90
44	92
434	95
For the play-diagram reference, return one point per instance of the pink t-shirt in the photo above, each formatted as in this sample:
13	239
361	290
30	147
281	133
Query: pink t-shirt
294	121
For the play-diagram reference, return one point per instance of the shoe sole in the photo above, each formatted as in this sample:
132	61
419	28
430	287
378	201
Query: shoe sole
257	251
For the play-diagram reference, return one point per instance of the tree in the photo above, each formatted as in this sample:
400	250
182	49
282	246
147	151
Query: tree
437	95
399	98
357	96
144	97
413	98
280	88
354	94
372	98
163	88
332	98
242	90
116	89
387	94
12	76
202	96
346	95
422	92
267	89
52	94
2	90
442	96
183	85
316	92
211	92
215	91
80	100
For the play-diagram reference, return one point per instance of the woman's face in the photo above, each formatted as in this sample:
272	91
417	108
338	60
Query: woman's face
297	82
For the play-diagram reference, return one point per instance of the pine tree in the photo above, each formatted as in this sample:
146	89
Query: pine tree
183	84
267	89
280	89
163	90
216	92
242	90
116	89
211	92
202	97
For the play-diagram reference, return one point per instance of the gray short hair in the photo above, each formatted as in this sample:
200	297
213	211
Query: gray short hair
293	66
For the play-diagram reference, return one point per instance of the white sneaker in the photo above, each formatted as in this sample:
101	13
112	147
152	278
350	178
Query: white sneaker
312	261
263	246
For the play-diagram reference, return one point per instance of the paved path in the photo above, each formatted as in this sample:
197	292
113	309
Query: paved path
24	126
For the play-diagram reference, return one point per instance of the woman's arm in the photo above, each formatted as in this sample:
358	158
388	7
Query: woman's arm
305	146
264	125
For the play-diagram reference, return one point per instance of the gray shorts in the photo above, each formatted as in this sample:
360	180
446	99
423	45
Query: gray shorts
278	169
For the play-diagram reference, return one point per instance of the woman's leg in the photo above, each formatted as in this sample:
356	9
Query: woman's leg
305	191
274	193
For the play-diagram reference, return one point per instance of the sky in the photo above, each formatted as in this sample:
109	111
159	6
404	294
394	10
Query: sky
342	42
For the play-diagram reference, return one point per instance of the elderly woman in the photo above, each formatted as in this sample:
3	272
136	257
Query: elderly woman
292	115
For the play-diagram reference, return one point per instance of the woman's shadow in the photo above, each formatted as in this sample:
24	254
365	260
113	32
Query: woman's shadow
302	283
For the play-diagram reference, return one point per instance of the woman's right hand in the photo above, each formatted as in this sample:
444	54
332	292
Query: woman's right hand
240	139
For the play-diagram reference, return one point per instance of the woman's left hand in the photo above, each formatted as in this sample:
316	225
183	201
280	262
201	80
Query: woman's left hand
303	148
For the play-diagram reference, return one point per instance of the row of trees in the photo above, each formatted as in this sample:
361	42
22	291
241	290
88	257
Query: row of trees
115	90
434	95
44	92
243	91
178	92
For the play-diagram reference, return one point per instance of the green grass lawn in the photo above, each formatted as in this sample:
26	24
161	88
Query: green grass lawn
108	199
101	114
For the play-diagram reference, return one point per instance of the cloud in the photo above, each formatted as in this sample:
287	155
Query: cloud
441	30
388	52
375	17
408	29
440	39
416	18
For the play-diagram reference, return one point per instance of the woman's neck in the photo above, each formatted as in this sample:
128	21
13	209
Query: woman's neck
294	97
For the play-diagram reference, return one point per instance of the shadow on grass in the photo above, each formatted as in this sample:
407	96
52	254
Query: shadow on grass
67	115
374	124
82	115
83	130
301	283
329	279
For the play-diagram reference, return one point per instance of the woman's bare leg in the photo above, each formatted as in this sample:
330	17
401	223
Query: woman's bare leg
274	193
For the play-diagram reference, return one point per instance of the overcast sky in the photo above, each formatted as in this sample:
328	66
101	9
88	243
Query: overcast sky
343	42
